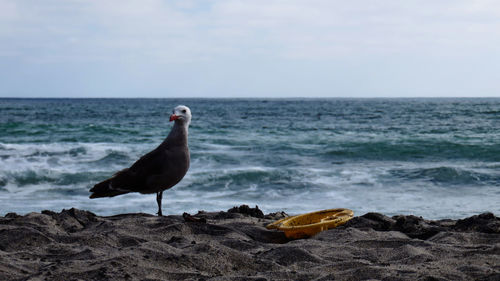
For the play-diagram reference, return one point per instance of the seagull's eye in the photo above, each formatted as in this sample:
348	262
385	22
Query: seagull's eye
183	111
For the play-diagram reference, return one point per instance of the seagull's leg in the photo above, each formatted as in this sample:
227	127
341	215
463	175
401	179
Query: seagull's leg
158	200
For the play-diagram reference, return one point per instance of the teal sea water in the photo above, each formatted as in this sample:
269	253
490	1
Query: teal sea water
435	158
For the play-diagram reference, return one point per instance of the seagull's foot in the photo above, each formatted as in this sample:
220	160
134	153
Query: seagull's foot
159	195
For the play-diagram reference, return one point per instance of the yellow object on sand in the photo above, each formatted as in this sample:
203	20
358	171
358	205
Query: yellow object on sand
306	225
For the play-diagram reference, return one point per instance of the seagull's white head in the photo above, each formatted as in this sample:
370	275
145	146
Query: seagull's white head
181	113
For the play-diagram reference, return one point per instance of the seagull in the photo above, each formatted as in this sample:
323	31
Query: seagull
156	171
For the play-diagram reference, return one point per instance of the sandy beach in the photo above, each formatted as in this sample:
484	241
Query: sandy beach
235	245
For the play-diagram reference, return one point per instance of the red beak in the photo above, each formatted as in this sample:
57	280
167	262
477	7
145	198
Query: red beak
173	117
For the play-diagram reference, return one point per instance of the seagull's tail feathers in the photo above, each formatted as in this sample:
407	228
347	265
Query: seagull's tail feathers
111	187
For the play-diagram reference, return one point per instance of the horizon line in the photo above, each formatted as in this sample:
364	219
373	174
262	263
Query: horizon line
291	97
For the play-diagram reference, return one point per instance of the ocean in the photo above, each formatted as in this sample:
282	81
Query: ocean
436	158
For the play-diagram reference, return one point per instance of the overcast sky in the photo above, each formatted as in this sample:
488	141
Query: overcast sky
252	48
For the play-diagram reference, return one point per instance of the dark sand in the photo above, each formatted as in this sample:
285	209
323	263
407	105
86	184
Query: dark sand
78	245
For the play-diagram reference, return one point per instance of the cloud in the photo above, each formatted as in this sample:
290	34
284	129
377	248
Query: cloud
252	34
193	30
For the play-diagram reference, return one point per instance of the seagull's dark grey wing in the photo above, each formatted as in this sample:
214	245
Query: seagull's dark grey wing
133	179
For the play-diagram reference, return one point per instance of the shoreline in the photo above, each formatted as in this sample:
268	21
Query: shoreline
235	245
